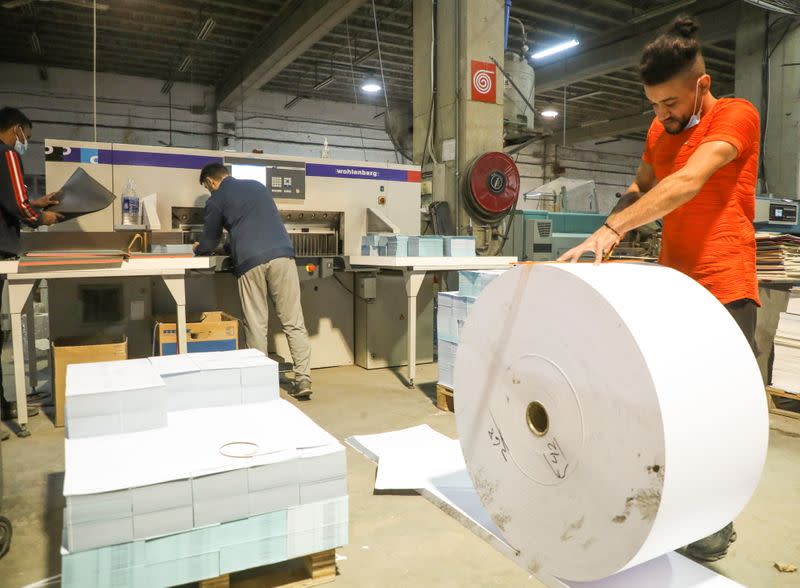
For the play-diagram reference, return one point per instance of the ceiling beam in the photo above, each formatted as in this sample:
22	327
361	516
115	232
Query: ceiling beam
619	126
288	36
603	57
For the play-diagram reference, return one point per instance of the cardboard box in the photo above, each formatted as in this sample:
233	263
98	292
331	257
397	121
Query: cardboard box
209	331
74	350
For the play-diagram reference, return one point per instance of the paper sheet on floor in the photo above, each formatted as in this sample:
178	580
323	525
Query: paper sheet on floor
419	458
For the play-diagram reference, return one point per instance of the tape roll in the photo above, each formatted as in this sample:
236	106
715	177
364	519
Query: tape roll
607	415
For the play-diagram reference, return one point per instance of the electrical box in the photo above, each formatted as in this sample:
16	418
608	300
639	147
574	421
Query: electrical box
367	287
539	239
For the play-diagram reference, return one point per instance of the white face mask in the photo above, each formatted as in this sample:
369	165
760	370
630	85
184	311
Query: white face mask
21	147
695	118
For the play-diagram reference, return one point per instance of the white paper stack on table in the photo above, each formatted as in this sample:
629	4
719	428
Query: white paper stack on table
777	256
452	312
786	366
232	478
459	246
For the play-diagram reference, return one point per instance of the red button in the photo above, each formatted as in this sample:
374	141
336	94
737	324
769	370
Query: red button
311	268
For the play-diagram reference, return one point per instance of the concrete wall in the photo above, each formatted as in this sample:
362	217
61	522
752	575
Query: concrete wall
133	110
612	172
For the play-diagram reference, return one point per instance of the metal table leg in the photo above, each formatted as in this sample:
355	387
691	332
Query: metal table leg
413	282
176	284
30	325
19	292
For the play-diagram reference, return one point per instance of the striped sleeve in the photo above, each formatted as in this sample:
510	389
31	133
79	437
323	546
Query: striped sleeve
13	194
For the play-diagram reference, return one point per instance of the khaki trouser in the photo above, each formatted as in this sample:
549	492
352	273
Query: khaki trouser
277	279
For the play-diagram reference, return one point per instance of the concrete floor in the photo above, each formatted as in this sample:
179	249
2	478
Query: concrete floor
396	541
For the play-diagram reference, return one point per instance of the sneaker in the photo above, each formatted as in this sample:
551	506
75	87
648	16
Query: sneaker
711	548
302	389
9	410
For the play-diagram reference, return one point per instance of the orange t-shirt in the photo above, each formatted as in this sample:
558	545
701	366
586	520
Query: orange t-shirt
711	238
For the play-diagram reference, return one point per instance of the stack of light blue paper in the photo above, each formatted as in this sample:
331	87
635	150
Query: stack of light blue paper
425	246
473	282
393	245
453	309
218	488
211	551
369	244
459	246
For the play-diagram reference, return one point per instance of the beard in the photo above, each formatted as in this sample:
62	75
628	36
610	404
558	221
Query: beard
675	126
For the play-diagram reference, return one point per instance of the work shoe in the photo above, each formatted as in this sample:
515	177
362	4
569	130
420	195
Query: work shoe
9	410
302	389
711	548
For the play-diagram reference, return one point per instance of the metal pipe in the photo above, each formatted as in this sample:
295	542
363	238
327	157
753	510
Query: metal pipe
508	15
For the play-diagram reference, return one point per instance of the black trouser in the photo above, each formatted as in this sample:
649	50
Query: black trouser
743	312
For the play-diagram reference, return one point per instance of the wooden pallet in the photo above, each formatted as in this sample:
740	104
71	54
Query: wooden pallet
311	570
444	398
771	392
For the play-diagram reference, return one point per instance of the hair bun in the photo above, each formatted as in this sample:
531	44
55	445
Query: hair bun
684	26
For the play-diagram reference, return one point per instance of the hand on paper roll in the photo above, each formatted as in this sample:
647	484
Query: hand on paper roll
51	218
45	201
601	243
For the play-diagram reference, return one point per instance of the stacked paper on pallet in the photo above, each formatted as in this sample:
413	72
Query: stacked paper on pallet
453	308
786	366
114	397
459	246
210	551
207	468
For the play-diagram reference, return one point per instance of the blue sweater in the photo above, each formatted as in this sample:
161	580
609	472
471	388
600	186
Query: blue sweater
247	211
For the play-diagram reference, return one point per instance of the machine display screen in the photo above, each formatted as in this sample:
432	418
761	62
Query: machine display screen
250	172
783	213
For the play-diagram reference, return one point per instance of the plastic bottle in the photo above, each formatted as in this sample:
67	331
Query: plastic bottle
131	211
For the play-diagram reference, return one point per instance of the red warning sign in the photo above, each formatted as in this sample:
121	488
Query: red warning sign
484	81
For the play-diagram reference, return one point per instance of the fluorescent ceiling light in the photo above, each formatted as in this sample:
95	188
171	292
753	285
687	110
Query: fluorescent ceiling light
661	10
585	96
293	102
35	44
205	30
556	49
187	61
371	86
365	56
549	113
324	83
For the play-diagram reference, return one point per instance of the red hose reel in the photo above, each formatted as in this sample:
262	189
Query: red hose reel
491	187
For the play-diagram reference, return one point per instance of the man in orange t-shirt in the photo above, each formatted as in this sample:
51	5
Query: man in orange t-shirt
698	172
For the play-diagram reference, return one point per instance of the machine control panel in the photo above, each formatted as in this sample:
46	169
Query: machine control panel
285	179
778	212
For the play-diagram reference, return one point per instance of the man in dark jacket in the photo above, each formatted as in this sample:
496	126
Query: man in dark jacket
263	257
15	208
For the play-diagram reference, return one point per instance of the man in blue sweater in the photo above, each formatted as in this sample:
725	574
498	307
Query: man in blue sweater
263	258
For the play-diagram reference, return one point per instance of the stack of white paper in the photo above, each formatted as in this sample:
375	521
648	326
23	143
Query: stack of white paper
473	282
369	244
245	464
202	380
786	366
113	397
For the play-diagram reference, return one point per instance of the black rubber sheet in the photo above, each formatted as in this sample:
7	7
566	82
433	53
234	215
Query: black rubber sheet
82	194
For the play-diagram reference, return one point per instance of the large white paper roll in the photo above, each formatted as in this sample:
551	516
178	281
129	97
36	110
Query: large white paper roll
607	415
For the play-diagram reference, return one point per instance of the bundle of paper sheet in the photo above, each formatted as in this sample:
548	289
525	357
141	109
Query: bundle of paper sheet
777	256
452	311
394	246
459	246
786	366
233	478
425	246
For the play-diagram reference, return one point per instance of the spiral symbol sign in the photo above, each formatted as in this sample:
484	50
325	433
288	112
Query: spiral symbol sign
484	81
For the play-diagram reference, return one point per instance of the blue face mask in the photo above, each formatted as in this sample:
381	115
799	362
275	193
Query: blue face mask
695	118
21	147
